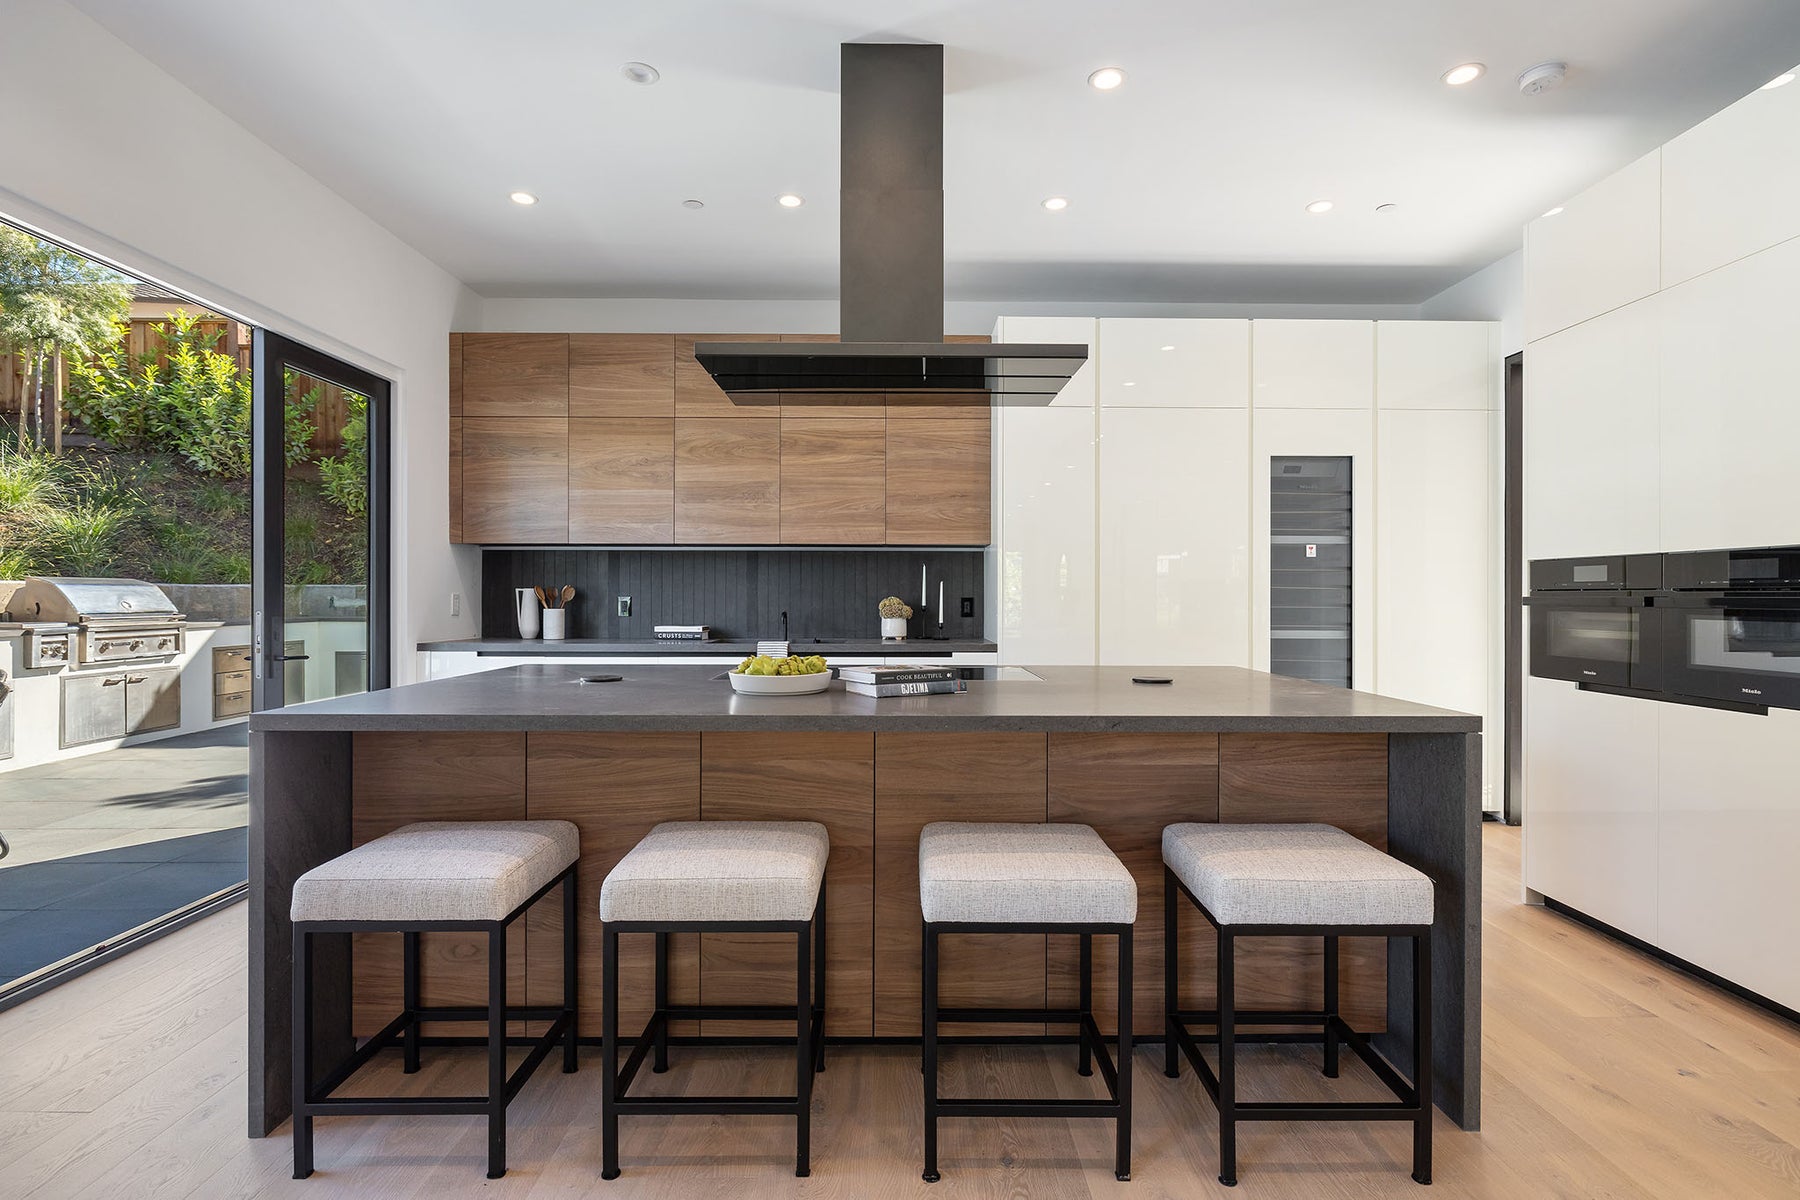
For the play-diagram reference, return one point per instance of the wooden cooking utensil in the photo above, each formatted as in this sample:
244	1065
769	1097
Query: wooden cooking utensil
568	593
542	598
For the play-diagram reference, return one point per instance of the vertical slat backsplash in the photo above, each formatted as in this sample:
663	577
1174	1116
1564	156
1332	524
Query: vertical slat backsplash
740	593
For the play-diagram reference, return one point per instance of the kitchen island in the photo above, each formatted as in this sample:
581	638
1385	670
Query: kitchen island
1078	744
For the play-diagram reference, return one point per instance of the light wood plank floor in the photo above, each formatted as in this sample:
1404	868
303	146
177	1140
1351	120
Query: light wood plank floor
1608	1075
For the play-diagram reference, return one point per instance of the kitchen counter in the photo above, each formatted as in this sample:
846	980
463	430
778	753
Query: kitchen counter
1065	699
673	742
590	648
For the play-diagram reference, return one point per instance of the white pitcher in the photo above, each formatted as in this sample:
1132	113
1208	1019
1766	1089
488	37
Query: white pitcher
530	612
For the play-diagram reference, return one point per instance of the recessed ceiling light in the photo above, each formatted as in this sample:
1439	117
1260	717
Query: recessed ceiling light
1106	78
1056	203
1168	347
1781	80
693	204
1554	211
1388	207
525	198
1319	206
789	200
1130	383
1466	73
639	72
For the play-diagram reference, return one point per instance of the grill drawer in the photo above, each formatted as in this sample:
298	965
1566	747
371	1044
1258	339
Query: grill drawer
226	682
234	705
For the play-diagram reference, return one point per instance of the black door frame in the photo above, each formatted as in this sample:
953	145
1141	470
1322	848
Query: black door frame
271	354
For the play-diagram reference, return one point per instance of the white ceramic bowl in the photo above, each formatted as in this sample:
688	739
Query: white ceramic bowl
779	685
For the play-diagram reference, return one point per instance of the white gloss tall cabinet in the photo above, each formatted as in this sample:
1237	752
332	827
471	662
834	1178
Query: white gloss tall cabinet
1132	514
1660	312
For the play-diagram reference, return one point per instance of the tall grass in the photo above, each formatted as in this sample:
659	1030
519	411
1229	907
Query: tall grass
28	479
83	537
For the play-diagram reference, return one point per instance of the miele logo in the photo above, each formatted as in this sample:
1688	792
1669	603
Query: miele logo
1590	672
1751	691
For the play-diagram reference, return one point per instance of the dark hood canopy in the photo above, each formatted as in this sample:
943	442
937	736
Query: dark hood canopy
891	260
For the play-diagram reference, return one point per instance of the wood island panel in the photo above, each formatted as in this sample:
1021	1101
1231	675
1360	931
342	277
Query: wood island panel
400	778
614	787
1336	779
1128	786
823	777
621	375
926	777
833	480
515	374
622	479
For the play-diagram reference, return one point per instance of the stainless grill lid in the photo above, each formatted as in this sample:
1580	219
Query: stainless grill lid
75	600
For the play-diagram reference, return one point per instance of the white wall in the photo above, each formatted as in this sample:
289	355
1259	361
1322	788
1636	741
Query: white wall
193	200
1494	293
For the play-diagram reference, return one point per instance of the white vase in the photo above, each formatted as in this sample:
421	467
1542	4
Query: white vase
893	629
555	623
529	611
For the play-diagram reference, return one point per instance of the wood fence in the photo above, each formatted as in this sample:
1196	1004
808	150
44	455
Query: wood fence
234	339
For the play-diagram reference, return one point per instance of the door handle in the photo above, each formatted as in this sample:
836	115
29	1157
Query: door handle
290	657
110	680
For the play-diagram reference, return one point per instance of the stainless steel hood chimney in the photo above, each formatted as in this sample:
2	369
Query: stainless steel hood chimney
891	260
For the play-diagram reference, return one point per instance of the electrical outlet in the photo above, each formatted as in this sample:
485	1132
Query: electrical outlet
968	606
624	606
456	604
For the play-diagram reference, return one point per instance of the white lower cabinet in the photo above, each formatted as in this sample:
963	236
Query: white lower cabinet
1044	552
1340	433
1728	826
1174	534
1591	803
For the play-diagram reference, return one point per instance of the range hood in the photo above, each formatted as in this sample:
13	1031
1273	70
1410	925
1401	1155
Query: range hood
891	260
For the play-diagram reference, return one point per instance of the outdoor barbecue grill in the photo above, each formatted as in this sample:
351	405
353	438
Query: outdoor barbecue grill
116	621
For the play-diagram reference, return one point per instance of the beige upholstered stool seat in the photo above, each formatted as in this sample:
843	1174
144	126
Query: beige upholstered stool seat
439	871
719	871
1004	873
1294	875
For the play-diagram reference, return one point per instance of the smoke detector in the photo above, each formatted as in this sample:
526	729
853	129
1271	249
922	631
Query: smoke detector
1534	81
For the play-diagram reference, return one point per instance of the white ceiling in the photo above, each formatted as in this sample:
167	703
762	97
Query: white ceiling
1188	183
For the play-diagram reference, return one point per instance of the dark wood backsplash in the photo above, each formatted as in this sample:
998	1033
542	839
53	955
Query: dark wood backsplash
740	593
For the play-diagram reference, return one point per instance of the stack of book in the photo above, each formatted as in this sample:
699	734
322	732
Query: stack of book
901	680
683	633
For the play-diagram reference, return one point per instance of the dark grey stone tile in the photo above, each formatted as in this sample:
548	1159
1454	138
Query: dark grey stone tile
37	885
160	887
40	938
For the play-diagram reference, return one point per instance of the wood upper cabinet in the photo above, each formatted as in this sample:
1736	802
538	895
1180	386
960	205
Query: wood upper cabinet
515	479
938	481
727	480
515	374
621	374
833	480
622	480
456	419
696	395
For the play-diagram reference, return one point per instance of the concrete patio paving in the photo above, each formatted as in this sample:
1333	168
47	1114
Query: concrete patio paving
105	843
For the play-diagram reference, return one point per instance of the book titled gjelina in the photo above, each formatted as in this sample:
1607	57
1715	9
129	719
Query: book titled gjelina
902	680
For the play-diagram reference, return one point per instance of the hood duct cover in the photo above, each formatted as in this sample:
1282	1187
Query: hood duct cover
891	260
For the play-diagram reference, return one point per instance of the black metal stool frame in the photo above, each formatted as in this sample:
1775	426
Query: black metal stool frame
1116	1074
316	1099
807	1013
1412	1097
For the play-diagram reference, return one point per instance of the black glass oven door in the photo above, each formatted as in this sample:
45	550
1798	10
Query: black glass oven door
1745	649
1587	640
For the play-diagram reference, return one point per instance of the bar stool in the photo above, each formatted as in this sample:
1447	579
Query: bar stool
717	877
1307	880
439	875
1018	878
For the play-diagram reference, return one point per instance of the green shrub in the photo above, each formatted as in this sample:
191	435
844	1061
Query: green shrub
219	499
345	479
233	566
195	564
297	418
83	537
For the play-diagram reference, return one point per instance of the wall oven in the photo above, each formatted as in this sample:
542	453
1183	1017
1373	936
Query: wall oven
1730	625
1591	621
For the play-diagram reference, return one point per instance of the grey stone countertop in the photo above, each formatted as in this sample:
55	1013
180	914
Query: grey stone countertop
592	648
549	696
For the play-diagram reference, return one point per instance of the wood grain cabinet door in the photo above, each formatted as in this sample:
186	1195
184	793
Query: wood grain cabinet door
621	374
696	395
938	481
515	474
456	420
727	481
621	480
833	480
515	374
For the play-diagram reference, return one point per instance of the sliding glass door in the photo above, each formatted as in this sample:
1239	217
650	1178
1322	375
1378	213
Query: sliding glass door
319	620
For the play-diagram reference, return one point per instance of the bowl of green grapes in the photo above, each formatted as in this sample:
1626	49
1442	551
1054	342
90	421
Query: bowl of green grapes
795	675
